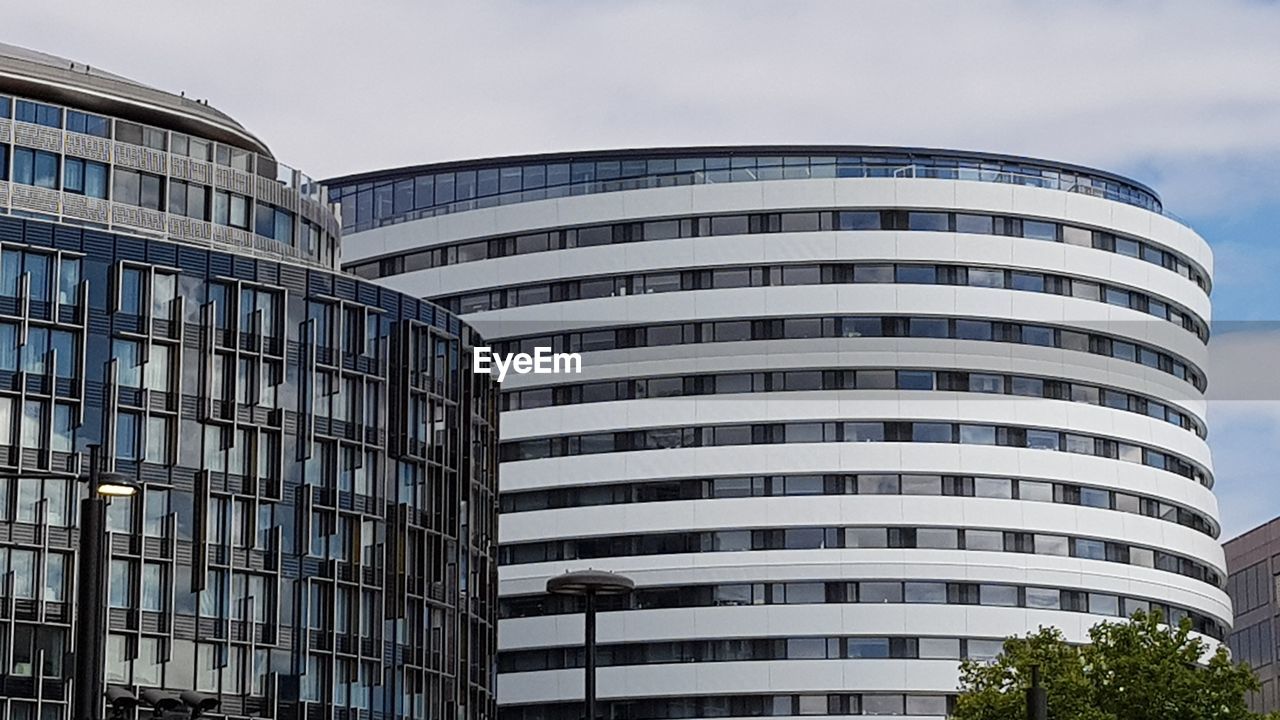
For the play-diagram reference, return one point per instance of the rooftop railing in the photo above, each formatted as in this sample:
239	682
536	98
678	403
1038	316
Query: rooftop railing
356	220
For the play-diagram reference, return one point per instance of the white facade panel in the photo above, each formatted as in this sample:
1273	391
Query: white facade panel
629	496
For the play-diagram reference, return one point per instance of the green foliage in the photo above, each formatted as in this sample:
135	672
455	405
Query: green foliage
1136	670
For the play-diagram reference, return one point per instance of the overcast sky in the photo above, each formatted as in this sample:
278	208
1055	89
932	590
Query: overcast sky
1184	96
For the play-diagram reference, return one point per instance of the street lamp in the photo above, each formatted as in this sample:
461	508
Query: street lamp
589	584
91	574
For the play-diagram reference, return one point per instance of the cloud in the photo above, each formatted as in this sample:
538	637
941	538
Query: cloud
1182	95
1243	437
1183	91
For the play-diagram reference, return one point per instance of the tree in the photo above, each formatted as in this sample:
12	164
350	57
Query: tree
1136	670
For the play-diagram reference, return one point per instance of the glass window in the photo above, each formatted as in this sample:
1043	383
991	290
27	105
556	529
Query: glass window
858	220
979	382
36	350
937	538
879	592
1043	598
35	167
1038	491
864	432
873	273
66	358
978	224
866	538
978	434
73	175
37	267
973	330
1085	290
121	580
921	485
915	380
983	277
164	289
928	221
1090	549
154	589
127	435
916	274
1038	230
55	581
128	363
931	432
860	647
1051	545
927	705
999	595
1094	497
1072	235
126	186
238	211
921	327
992	487
992	540
875	379
38	113
877	484
939	648
1116	296
925	592
1042	439
1028	282
984	649
878	704
730	225
95	179
1037	335
1101	604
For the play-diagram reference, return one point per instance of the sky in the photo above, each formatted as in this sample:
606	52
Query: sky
1183	96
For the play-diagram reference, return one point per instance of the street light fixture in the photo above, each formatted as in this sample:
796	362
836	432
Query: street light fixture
91	579
589	584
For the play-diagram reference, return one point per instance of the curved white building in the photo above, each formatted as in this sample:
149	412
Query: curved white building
847	415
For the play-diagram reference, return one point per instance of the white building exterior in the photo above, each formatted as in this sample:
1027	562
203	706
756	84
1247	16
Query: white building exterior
727	478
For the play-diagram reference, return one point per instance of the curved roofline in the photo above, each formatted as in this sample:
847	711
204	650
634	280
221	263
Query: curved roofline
35	76
478	163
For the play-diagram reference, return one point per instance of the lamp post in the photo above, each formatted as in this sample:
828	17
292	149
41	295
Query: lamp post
91	573
589	584
1037	697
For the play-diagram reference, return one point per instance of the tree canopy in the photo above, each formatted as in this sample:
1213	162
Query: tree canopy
1142	669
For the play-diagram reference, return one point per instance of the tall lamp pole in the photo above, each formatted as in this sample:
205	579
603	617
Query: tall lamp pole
91	574
589	584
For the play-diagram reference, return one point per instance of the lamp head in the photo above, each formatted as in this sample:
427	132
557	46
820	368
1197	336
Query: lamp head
590	582
199	702
120	698
161	700
116	485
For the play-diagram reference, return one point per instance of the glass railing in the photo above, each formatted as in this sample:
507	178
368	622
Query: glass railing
373	204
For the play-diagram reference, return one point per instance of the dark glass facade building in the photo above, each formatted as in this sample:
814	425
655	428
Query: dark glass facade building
1253	561
315	530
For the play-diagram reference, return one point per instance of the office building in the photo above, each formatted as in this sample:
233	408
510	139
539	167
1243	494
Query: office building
1253	561
846	415
314	534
